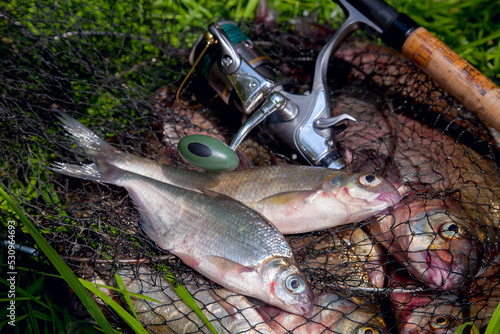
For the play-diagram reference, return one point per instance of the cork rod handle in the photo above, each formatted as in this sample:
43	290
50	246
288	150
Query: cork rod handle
455	75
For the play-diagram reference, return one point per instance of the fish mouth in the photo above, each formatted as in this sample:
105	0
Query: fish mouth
435	273
299	309
304	305
307	309
377	277
392	199
415	329
268	312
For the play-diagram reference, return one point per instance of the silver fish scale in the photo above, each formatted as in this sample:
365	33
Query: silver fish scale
185	221
267	181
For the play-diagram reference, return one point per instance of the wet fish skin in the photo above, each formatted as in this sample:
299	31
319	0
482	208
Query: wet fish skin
233	313
423	312
369	252
432	240
243	314
426	314
296	199
483	294
171	314
348	259
221	238
427	156
341	198
332	313
363	315
423	154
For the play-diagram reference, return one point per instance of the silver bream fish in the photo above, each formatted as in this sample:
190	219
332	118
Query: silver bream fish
296	199
217	236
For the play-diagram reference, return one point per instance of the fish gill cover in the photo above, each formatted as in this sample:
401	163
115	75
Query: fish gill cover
429	264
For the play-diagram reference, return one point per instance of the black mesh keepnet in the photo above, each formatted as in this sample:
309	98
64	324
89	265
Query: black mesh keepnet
117	70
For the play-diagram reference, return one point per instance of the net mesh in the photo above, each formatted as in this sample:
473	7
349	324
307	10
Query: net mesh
117	69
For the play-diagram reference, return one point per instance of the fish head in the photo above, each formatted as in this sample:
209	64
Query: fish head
285	286
351	315
426	314
368	194
434	239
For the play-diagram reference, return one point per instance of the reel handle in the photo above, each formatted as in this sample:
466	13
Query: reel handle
207	153
211	154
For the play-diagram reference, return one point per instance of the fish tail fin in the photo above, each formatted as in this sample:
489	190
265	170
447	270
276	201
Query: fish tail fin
94	172
107	173
87	140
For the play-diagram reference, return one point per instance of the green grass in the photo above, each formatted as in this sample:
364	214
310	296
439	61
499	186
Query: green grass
468	26
38	310
494	325
469	326
186	297
63	269
129	319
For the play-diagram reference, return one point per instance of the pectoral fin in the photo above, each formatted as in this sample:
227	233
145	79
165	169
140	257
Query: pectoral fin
227	265
290	197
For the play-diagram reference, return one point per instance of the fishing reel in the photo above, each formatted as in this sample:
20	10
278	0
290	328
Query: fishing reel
242	75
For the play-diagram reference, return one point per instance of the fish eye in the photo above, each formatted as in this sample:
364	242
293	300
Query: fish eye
369	180
367	330
295	284
451	230
440	322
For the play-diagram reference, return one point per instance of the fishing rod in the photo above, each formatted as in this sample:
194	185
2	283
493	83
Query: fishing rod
449	70
242	75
